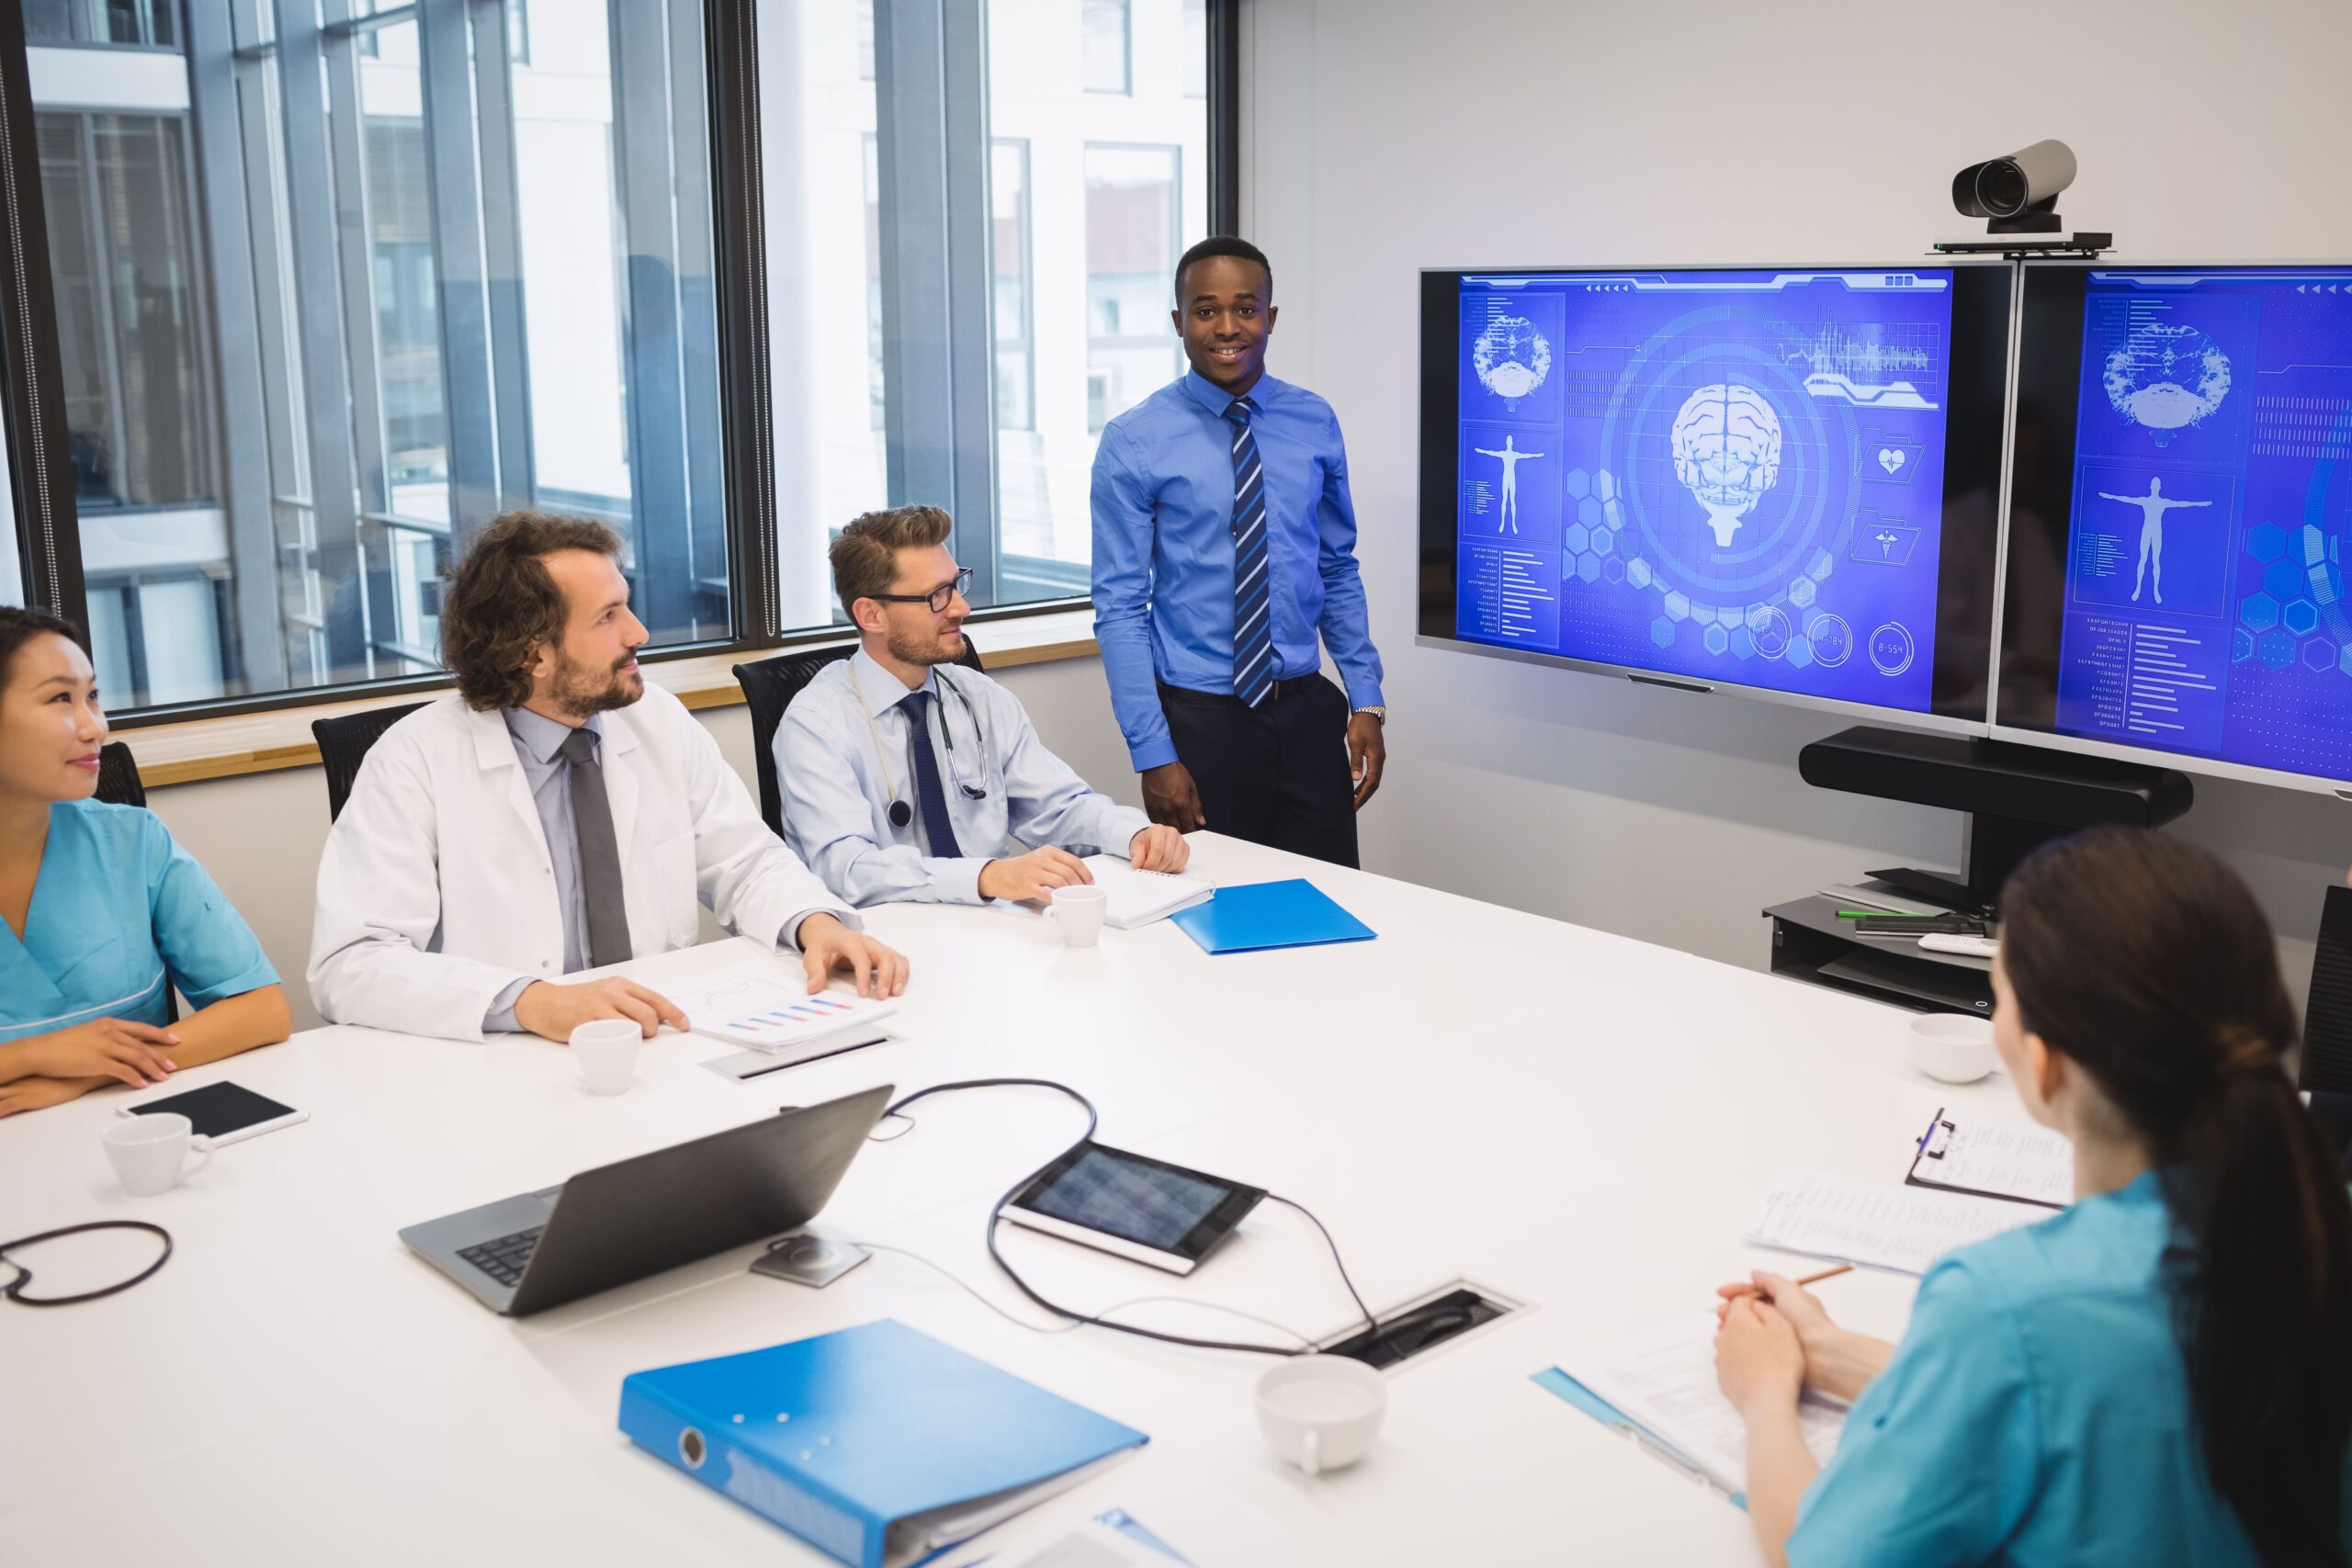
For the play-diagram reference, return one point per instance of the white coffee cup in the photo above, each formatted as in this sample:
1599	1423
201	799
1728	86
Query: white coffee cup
1321	1412
1953	1048
607	1051
1080	909
150	1152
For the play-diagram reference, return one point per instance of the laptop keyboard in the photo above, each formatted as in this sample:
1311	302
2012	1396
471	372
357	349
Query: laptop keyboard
505	1258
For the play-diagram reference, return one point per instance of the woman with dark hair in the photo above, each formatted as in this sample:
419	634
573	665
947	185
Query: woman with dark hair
100	912
2161	1374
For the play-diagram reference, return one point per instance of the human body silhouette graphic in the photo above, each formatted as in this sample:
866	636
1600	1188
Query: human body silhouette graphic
1510	458
2152	507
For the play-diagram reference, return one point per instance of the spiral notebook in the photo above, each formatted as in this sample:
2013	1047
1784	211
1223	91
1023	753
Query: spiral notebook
1139	897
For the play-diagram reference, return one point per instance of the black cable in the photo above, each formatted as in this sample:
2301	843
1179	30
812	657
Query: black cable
1093	1120
15	1290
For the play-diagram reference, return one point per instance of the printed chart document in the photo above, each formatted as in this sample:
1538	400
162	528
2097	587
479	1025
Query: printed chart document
1139	897
772	1010
1665	1381
1995	1156
1876	1223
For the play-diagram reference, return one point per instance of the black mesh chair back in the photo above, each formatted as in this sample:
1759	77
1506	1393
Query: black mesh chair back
119	776
2327	1016
769	686
343	746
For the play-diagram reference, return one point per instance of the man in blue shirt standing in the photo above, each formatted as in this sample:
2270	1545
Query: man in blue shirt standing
1224	543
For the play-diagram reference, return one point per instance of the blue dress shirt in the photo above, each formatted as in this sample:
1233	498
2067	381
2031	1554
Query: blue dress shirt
1163	550
2037	1412
843	749
120	911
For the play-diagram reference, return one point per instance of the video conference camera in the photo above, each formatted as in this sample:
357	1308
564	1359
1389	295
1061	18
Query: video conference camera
2018	194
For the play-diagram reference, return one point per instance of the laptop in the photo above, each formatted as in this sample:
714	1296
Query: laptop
637	1217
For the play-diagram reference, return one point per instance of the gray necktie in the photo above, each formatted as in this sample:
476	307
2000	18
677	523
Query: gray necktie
600	856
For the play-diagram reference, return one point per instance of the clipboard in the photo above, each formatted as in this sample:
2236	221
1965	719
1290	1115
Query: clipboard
1934	1145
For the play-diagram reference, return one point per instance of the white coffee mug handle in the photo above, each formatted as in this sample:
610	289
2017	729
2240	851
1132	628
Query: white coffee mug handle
1313	1461
201	1148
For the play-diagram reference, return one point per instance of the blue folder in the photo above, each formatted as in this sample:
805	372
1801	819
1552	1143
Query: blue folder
1552	1380
878	1445
1260	914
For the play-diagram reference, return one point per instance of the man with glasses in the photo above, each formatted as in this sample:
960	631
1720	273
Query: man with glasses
904	775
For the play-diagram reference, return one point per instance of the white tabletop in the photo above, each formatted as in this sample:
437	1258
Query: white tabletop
1570	1118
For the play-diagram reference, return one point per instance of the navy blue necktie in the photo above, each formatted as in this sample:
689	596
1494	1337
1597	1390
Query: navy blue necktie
1253	599
938	832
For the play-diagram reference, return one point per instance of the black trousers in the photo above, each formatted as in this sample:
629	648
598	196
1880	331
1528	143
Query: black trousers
1274	774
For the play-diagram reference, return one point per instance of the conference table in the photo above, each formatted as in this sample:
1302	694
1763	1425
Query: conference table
1579	1122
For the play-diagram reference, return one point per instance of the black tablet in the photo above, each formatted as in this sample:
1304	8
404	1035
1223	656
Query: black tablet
1132	1206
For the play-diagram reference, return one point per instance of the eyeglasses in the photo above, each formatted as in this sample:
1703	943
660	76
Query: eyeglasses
938	598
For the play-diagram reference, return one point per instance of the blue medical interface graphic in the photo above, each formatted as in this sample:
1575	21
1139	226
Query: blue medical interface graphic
1731	475
2213	509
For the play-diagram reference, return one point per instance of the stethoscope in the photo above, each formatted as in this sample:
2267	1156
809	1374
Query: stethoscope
900	813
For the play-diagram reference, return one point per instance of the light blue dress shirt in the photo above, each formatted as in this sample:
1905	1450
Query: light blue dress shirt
842	757
119	911
1163	550
2037	1412
538	746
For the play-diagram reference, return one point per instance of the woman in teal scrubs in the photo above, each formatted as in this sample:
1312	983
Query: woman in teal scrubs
100	912
2163	1373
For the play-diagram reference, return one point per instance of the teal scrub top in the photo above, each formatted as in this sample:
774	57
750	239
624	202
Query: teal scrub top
2037	1412
117	908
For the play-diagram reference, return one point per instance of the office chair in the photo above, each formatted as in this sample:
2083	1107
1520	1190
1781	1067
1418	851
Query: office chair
343	746
119	776
769	686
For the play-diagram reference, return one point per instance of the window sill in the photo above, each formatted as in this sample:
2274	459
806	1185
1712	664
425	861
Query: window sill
226	746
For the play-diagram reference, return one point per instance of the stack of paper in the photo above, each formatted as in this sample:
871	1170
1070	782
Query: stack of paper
1875	1223
772	1012
1995	1156
1664	1383
1139	897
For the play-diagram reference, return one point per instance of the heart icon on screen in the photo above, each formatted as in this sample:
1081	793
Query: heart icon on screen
1891	459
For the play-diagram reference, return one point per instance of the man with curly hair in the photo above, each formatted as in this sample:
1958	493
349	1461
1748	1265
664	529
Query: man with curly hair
553	814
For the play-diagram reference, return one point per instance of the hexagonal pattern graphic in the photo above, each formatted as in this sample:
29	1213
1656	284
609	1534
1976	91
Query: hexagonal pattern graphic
1801	592
1678	607
1800	652
1818	567
2318	654
1578	483
2282	580
2301	617
1604	485
2259	611
1575	536
1612	568
2311	544
1637	573
2275	648
2344	658
2241	646
1589	567
2265	541
1613	510
1603	541
1662	632
1589	512
1716	638
1742	643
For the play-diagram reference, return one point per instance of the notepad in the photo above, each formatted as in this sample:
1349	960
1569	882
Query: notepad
1879	1223
1664	1382
1260	914
773	1012
1995	1157
1139	897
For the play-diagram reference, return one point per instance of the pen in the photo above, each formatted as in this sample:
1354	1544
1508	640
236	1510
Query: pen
1808	1280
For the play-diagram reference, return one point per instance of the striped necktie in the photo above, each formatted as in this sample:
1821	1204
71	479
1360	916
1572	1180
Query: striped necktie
1253	621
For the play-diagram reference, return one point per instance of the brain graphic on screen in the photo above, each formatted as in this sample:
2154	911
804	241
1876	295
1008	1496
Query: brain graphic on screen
1726	453
1511	357
2167	378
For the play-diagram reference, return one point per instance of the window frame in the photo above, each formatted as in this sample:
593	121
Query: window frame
39	473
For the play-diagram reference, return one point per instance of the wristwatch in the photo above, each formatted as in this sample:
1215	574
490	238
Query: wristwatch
1379	714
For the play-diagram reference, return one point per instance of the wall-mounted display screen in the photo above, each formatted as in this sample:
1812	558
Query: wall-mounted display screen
1782	479
2181	507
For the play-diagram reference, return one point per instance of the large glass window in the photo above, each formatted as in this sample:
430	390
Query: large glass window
1108	45
450	258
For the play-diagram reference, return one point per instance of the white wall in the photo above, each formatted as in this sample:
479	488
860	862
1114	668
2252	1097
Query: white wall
260	835
1382	136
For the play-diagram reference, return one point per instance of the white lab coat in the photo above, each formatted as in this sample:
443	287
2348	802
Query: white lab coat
435	892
